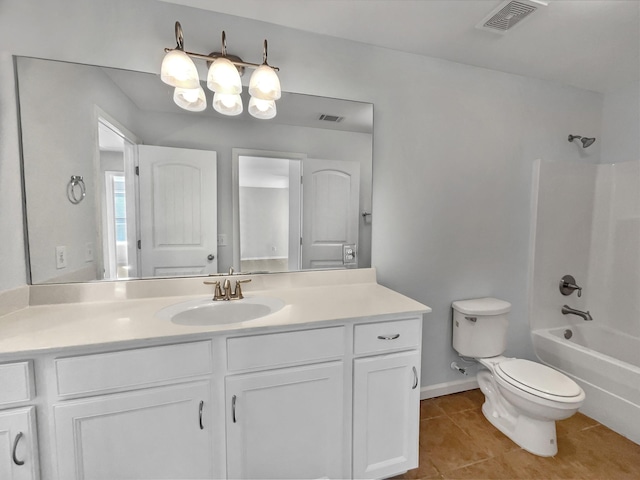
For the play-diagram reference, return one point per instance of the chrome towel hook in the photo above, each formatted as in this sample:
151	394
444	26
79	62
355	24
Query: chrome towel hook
76	195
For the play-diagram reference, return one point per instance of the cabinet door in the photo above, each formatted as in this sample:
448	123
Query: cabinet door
18	446
386	414
160	433
286	423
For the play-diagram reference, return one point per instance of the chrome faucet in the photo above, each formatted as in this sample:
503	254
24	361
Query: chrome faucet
568	310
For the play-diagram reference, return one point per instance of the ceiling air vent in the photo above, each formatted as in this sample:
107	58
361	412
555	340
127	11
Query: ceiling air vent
508	14
330	118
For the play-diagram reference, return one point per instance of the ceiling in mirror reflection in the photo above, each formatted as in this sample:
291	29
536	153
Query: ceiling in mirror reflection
293	109
94	121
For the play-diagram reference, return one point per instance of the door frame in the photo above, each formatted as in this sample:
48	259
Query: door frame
130	154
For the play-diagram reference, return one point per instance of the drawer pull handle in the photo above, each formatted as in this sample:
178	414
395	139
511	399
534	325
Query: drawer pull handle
233	409
15	447
388	337
415	379
200	414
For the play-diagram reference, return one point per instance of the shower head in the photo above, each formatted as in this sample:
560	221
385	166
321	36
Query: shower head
586	142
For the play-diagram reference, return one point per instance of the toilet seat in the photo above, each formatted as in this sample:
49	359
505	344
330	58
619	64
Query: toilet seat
538	380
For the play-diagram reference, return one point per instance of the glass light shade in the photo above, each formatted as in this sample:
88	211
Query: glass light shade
227	104
265	84
262	109
178	70
191	99
223	77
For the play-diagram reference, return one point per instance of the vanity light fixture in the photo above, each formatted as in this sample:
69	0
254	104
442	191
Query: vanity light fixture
223	78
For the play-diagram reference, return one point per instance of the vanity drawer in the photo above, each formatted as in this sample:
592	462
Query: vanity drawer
17	383
91	374
380	337
287	348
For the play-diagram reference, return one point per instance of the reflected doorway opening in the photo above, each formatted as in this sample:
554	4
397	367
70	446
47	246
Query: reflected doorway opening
268	211
117	200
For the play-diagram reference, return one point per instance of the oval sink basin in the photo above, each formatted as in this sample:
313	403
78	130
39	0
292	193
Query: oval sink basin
208	312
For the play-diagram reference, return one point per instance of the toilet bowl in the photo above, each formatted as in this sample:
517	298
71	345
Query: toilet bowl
523	399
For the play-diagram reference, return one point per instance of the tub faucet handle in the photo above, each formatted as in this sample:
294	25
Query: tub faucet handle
568	285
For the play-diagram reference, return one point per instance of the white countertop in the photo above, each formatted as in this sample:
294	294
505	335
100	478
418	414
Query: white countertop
50	327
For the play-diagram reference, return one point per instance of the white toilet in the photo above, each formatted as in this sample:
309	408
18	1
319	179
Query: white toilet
523	399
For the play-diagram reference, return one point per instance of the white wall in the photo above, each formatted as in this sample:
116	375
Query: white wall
264	222
62	136
453	144
621	125
13	272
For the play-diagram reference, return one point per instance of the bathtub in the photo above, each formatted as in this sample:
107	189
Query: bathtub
606	364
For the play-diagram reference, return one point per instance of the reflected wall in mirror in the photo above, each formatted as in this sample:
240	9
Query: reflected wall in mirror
162	192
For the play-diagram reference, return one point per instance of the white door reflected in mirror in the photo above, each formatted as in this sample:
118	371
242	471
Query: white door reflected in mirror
178	211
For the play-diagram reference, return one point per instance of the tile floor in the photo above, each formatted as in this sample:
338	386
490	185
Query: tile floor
457	442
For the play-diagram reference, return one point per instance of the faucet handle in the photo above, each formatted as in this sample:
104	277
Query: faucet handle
217	292
238	293
568	286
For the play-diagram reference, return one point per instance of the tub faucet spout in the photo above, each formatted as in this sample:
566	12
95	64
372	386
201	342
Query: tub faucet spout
568	310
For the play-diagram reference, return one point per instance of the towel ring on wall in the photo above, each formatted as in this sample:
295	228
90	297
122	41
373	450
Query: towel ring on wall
76	195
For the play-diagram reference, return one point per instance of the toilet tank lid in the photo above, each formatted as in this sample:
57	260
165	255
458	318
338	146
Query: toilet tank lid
482	306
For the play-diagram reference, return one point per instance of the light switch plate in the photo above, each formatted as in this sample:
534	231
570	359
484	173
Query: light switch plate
222	240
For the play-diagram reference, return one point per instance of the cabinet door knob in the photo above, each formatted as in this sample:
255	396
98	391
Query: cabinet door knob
200	414
415	378
211	257
388	337
15	447
233	409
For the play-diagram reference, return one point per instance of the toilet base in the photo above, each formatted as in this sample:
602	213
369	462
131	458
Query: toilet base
534	436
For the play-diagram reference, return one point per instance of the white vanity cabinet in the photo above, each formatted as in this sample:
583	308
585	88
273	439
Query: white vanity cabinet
159	427
148	434
18	446
386	398
315	392
287	421
18	435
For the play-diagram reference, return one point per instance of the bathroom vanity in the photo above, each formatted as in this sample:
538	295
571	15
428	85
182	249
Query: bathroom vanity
327	386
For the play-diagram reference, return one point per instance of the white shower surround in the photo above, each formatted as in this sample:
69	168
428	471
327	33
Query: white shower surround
587	224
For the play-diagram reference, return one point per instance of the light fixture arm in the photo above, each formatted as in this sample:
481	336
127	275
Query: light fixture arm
179	37
224	44
212	56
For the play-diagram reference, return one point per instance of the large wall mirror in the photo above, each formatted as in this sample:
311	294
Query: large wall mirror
121	183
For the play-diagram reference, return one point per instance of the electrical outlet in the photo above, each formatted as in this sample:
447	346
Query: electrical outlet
88	252
349	254
222	240
61	257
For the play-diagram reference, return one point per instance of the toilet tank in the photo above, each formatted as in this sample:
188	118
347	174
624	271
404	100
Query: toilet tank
480	327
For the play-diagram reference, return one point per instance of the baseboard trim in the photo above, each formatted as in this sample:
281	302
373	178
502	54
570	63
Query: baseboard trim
446	388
